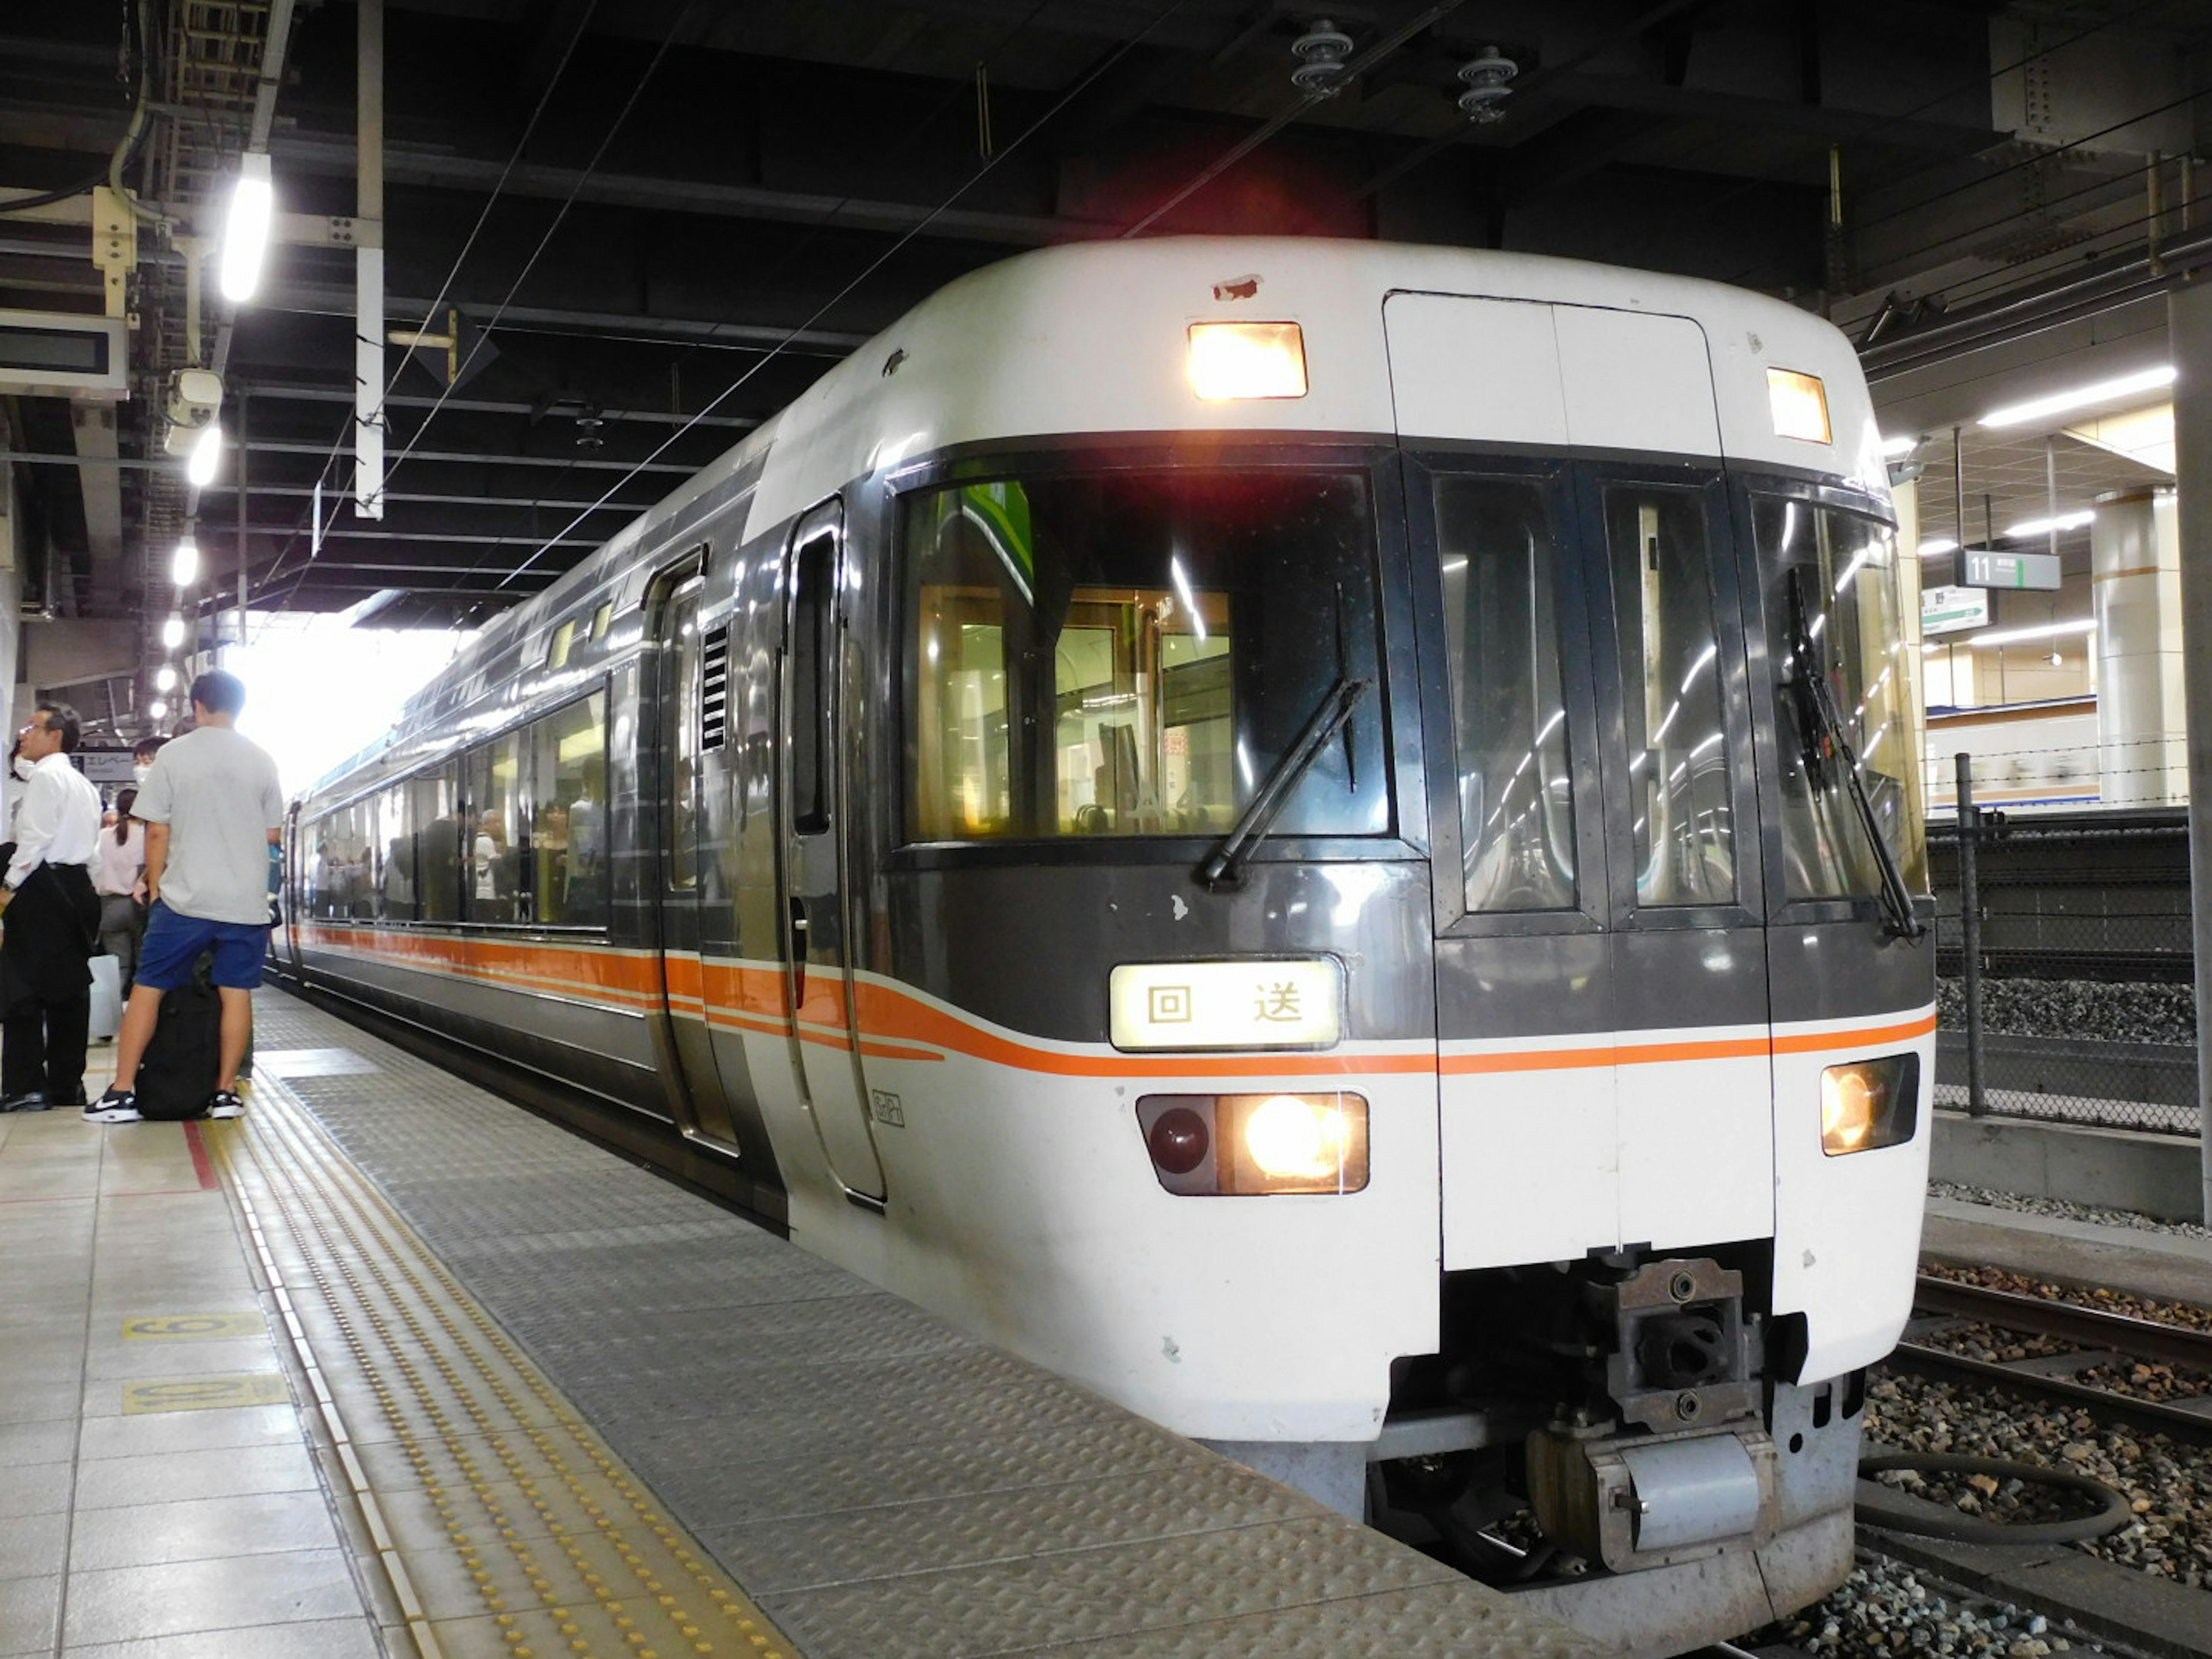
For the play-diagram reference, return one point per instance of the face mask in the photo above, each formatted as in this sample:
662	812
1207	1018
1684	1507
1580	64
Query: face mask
24	768
140	772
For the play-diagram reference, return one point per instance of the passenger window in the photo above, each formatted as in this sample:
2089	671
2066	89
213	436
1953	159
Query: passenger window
1680	778
497	885
1500	562
563	641
398	890
568	777
603	619
435	826
1840	570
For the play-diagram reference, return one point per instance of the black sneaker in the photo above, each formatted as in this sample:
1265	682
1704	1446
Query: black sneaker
225	1102
116	1106
34	1100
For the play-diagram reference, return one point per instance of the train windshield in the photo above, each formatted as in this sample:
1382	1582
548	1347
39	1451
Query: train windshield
1838	569
1129	652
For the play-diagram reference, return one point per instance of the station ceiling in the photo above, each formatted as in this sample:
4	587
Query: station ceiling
664	218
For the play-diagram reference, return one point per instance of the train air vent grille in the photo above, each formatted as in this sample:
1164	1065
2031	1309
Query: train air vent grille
714	689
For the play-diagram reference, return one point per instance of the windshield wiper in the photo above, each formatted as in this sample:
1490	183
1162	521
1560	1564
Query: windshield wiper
1224	866
1820	733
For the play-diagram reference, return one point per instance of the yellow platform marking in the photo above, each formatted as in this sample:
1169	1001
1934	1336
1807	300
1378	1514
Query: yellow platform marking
188	1326
461	1401
204	1394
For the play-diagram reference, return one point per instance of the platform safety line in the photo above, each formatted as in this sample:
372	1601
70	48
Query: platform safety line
393	1241
357	1483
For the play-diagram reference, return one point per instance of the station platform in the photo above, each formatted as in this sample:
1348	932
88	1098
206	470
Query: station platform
2174	1266
389	1366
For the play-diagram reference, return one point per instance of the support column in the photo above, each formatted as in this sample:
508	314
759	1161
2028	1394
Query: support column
369	267
2135	564
2188	327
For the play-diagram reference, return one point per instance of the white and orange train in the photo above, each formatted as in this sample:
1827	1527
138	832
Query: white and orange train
1319	836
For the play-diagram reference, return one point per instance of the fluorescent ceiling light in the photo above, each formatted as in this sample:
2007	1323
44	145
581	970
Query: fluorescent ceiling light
165	678
206	457
2148	379
2013	636
245	233
172	633
2044	527
185	564
1935	545
157	710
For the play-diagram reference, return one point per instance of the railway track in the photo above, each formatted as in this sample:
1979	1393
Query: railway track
2102	1340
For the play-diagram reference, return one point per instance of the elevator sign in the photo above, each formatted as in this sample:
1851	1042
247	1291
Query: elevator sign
2039	570
1948	610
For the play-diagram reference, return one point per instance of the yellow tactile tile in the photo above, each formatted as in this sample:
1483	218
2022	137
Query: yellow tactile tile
504	1525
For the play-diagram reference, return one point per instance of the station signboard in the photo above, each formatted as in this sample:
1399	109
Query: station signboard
1948	609
1991	569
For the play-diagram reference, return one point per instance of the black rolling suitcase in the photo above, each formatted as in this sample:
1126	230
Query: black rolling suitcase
182	1060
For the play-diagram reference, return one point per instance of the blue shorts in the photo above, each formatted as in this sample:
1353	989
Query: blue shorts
173	944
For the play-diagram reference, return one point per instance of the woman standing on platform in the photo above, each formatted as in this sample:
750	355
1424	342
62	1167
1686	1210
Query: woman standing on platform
118	875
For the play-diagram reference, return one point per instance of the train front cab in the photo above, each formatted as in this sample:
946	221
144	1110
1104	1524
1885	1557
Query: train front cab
1684	1045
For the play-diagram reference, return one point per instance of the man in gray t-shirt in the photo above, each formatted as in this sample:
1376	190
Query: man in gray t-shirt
212	808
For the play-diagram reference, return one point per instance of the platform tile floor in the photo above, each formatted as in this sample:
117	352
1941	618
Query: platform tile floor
253	1406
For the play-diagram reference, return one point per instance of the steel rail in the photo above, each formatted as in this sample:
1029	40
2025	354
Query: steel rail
2139	1338
2144	1416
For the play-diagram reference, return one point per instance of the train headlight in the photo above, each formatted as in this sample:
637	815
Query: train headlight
1869	1103
1229	361
1250	1145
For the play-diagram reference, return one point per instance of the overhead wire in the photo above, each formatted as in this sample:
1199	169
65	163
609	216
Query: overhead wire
944	206
813	229
337	449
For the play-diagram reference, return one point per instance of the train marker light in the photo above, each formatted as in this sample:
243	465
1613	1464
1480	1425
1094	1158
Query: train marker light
1255	1146
1800	405
1180	1140
1869	1103
1233	360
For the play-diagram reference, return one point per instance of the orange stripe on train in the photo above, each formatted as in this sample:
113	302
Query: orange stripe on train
893	1022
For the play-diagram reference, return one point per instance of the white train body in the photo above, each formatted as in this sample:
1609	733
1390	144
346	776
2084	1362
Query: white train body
1330	916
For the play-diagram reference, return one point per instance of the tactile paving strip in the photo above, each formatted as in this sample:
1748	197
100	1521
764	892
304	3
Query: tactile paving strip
883	1485
519	1520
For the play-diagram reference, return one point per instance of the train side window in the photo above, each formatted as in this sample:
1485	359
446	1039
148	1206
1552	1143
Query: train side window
434	822
497	884
1840	568
1678	763
1500	559
568	780
563	642
398	901
602	620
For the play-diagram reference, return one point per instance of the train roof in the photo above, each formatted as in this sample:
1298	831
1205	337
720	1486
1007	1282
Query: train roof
1091	337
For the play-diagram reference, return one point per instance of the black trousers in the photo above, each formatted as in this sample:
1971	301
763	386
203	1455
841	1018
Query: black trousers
42	1044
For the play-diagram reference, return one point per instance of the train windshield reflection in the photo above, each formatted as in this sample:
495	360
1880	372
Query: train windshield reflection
1844	566
1128	653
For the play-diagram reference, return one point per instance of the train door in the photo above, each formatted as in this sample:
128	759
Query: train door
1687	948
681	1038
1587	949
293	893
814	865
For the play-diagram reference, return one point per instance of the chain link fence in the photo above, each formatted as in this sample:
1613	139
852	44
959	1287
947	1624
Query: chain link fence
2081	979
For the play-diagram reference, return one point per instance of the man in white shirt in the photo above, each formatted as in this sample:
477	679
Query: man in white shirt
49	922
213	809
